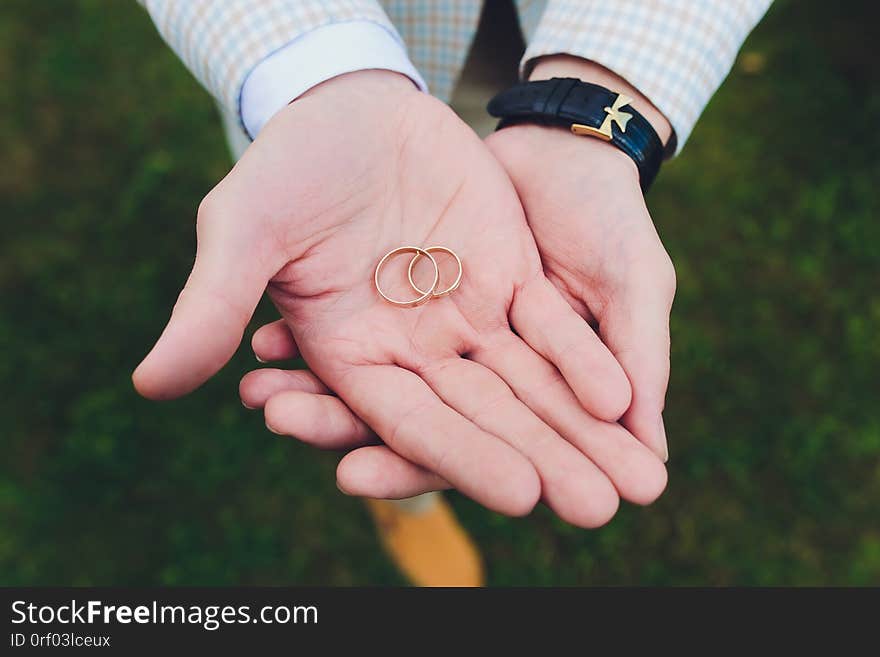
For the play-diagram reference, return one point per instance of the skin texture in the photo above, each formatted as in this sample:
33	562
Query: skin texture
597	241
598	246
601	251
297	403
496	389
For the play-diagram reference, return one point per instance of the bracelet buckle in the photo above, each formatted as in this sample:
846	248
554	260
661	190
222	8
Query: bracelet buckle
613	115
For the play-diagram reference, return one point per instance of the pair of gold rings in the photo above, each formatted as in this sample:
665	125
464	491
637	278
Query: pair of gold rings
424	295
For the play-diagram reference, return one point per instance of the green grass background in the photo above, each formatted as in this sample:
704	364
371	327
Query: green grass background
771	216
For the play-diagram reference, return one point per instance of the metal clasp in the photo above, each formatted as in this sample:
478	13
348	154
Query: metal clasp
613	115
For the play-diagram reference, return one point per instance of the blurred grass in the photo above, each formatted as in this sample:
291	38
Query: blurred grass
771	216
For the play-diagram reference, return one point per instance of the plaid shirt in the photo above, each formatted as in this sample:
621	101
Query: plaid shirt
676	52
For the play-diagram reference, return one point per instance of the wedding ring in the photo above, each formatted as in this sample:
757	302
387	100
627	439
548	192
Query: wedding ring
427	251
425	295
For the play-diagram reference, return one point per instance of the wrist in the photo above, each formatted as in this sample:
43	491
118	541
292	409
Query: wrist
377	95
534	141
383	83
568	66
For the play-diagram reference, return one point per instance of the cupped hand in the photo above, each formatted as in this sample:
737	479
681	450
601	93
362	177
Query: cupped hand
583	203
363	164
297	403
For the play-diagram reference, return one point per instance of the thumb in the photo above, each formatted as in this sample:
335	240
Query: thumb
211	313
636	329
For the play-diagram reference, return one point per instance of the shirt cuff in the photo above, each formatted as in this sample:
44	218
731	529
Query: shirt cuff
675	53
315	57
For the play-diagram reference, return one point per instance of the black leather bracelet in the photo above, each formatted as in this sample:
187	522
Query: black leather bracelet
585	109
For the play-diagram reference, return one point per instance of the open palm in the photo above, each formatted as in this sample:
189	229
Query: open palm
600	248
448	387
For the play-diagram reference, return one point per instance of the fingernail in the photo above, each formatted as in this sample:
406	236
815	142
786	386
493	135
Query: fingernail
275	431
663	443
250	408
260	360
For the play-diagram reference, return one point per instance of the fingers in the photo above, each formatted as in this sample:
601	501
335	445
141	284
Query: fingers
549	325
636	329
319	420
415	423
378	472
256	387
210	316
571	484
297	404
273	342
636	472
311	415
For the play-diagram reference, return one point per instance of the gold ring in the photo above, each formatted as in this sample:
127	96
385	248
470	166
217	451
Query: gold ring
442	293
425	296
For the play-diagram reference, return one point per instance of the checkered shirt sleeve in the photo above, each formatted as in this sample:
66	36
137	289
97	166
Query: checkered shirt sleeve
676	52
221	41
438	34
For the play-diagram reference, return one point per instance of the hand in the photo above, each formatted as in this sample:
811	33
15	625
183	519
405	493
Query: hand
582	200
361	164
297	403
